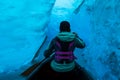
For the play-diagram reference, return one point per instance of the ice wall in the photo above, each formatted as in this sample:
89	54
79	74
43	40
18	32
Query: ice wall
105	48
62	10
22	30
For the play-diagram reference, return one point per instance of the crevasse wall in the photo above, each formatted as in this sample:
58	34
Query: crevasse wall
105	20
22	30
62	10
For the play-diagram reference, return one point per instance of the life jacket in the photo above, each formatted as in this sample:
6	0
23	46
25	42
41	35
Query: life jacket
64	51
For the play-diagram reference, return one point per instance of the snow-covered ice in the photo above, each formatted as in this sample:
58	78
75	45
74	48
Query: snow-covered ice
24	24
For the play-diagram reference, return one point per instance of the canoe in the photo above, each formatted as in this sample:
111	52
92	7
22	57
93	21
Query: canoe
45	72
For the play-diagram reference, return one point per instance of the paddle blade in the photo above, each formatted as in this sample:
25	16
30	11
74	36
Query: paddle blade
31	69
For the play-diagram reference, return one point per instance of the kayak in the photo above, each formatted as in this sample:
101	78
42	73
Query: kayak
45	72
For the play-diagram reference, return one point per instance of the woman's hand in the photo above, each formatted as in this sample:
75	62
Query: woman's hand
75	34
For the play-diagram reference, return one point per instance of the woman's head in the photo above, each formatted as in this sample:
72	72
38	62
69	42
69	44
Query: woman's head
65	26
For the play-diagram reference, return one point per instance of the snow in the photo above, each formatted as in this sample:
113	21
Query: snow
24	24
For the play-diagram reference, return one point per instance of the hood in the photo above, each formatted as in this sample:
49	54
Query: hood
66	36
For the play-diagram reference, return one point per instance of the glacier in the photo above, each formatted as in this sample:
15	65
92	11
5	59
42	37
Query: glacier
24	25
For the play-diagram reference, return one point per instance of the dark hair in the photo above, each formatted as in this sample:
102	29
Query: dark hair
65	26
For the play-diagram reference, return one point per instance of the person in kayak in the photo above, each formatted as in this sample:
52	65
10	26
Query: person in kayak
63	45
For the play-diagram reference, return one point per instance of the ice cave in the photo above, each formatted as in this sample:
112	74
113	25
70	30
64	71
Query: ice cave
28	26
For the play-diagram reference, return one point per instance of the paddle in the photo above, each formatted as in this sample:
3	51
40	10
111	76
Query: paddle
32	68
38	51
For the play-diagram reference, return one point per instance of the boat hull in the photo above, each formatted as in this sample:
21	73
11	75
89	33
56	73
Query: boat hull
45	72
